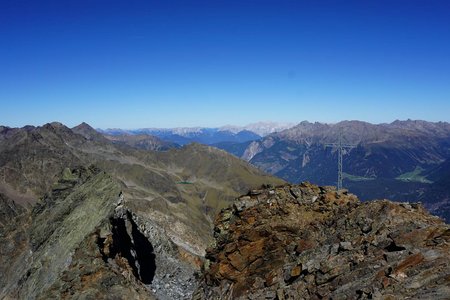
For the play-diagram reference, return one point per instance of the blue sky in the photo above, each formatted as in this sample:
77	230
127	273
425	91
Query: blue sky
133	64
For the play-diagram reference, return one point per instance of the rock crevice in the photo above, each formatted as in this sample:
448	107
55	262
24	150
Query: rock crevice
126	245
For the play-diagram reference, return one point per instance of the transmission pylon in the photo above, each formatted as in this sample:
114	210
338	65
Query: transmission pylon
340	147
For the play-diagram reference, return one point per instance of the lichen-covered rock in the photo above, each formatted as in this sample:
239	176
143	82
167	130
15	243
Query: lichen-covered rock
57	246
310	242
82	241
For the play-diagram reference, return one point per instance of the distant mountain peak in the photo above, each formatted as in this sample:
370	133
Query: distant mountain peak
83	126
261	128
87	131
54	125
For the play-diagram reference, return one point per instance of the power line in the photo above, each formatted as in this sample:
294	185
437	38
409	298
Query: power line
340	146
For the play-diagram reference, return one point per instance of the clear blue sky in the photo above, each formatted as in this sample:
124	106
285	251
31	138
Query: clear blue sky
147	63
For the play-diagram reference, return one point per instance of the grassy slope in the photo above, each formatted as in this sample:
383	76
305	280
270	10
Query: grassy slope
148	179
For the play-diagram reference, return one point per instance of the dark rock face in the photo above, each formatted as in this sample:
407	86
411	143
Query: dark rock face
54	251
310	242
81	241
135	247
13	236
90	277
8	210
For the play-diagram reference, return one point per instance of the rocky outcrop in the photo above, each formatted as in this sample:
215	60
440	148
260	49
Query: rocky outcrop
128	258
310	242
56	245
82	241
252	149
174	265
9	210
75	229
13	237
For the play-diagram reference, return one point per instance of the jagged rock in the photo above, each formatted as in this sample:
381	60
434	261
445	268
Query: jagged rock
308	242
170	196
61	249
82	241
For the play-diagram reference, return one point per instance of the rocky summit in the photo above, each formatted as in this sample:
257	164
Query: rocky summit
310	242
57	251
81	242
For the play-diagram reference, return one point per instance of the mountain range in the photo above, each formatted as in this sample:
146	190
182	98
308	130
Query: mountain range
56	182
84	215
205	135
408	159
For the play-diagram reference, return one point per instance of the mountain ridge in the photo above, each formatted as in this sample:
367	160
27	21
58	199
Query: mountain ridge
120	219
171	196
206	135
32	157
397	156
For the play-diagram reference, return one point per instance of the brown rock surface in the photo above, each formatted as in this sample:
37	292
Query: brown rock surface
310	242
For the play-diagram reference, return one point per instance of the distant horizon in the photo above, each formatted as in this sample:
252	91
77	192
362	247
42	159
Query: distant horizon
275	122
292	124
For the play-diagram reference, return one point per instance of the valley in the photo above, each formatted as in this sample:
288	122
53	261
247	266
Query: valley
137	211
178	217
224	150
398	161
402	161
